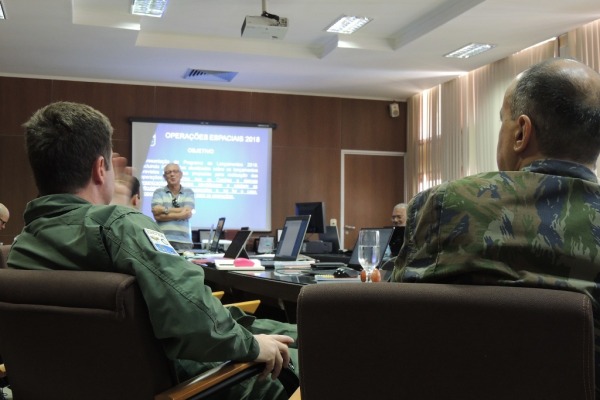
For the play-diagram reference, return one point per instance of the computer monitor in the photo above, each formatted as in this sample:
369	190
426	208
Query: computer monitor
316	210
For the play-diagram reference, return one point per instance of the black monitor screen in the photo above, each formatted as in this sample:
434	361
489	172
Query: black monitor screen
316	210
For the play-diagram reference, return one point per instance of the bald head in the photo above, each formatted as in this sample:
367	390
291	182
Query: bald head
399	214
561	97
4	216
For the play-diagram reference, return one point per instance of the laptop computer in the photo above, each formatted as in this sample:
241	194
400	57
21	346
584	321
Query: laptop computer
331	235
290	243
385	234
396	240
213	248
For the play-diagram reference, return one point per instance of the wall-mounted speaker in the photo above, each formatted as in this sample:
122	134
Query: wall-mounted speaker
394	110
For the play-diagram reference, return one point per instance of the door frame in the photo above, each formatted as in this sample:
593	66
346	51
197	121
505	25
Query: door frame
342	222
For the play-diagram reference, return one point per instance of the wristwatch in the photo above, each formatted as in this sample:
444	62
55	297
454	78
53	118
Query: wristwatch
166	212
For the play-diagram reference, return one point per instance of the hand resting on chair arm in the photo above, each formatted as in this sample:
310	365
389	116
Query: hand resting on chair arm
274	352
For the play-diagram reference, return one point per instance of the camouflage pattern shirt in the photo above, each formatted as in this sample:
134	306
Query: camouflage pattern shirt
537	227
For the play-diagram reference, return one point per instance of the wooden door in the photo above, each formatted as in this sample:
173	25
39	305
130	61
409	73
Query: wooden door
372	184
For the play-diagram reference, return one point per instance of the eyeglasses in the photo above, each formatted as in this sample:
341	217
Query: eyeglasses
395	217
172	171
175	202
3	222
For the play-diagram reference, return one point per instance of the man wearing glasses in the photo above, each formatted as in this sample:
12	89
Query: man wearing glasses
172	207
399	214
4	216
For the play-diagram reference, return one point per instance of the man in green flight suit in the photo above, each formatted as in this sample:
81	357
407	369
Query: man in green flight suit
536	222
73	225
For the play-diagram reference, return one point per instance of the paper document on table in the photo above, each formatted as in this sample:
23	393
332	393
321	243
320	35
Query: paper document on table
230	264
325	278
294	264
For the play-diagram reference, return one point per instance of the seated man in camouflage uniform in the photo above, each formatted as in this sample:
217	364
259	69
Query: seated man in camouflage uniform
536	222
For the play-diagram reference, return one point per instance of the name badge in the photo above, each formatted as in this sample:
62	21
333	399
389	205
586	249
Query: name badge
159	241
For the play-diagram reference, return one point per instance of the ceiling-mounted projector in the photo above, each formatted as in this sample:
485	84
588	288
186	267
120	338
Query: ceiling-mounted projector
262	27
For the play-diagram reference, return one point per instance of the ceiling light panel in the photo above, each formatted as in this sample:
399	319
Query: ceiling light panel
149	8
470	50
348	24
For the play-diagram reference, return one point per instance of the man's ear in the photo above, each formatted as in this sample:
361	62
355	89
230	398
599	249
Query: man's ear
99	170
524	135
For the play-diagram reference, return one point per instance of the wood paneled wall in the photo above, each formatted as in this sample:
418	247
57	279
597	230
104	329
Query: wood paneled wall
311	132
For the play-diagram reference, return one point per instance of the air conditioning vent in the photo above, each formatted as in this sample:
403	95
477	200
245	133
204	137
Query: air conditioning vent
208	76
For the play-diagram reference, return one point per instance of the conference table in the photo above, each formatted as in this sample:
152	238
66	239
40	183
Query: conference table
277	287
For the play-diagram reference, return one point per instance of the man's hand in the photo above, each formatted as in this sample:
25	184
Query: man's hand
274	352
123	181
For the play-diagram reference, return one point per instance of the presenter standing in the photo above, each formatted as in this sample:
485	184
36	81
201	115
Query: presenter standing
172	207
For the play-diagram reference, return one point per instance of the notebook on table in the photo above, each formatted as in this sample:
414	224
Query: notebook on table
290	243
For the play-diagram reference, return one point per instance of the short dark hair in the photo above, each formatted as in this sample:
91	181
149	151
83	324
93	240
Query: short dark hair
63	141
135	186
564	109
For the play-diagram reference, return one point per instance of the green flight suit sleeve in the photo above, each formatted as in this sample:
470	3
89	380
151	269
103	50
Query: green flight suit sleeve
186	317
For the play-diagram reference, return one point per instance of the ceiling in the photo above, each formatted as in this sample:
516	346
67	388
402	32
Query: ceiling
396	55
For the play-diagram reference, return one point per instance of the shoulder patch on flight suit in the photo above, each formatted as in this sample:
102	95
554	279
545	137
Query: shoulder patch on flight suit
159	241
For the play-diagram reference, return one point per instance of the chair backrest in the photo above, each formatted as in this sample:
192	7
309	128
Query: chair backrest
438	341
78	335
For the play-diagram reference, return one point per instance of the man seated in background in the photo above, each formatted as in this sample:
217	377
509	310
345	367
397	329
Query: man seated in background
399	214
4	216
398	220
536	222
71	226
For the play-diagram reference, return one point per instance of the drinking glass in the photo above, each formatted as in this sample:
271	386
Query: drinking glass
368	250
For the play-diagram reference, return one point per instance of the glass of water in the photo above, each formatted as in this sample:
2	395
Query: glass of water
368	250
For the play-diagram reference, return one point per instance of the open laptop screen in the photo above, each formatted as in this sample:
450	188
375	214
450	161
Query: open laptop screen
214	244
331	235
292	237
385	234
397	240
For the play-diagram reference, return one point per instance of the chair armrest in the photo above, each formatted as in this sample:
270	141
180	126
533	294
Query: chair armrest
246	306
225	374
219	294
296	395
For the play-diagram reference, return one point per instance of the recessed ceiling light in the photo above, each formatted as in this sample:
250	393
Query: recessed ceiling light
470	50
149	8
2	15
348	24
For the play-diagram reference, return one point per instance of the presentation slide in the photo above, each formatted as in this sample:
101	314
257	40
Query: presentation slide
228	166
